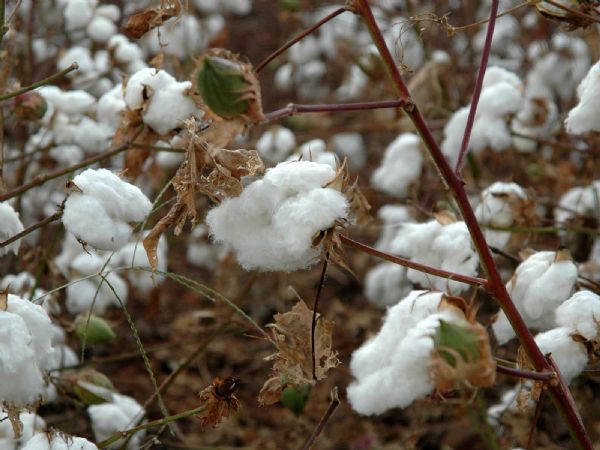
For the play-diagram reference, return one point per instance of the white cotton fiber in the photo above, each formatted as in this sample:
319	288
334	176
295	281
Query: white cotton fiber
32	423
386	284
120	414
276	144
58	441
100	214
586	115
400	166
570	356
271	225
10	224
581	314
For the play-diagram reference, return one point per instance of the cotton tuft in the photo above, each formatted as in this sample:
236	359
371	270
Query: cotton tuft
581	314
584	117
400	166
570	356
10	224
271	225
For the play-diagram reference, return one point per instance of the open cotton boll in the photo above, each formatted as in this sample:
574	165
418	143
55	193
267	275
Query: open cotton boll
315	150
58	441
376	388
164	101
392	218
83	293
68	102
581	314
126	53
540	284
99	210
276	144
110	107
400	166
578	201
351	146
271	225
32	424
538	118
496	208
78	13
584	117
10	224
199	252
447	247
180	36
120	414
570	356
386	284
354	85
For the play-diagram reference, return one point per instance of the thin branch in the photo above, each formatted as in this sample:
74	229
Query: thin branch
527	374
299	37
475	281
313	327
41	179
42	223
335	402
495	285
484	21
40	83
294	108
485	55
153	424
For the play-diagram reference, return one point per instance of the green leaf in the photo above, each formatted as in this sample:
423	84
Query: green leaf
461	339
222	85
295	398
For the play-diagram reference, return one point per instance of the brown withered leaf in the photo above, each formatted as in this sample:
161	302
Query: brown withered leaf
292	335
271	391
219	400
528	390
3	299
139	24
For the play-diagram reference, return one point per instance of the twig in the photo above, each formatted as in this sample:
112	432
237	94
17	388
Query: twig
454	29
335	402
573	11
495	286
152	424
299	37
475	281
485	55
40	83
41	179
294	108
527	374
42	223
313	327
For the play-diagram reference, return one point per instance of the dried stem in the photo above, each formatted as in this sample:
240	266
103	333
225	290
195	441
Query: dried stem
413	265
313	327
294	108
298	38
40	83
527	374
42	223
335	402
484	21
485	55
41	179
495	286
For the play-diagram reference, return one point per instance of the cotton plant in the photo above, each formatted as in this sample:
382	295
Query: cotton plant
583	118
444	244
578	201
272	224
501	98
119	414
275	144
405	349
10	225
32	424
501	205
163	102
55	440
400	166
101	207
26	335
540	284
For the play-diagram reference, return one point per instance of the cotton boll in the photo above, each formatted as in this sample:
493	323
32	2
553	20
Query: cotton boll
577	201
453	135
100	29
304	51
581	314
91	136
276	144
110	107
78	13
207	6
68	102
101	212
400	166
32	423
584	117
496	75
284	77
271	225
10	225
120	414
199	252
392	218
570	356
351	146
354	85
58	441
180	37
539	118
386	284
126	53
239	7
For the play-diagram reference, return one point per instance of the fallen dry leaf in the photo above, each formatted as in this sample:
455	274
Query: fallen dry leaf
219	400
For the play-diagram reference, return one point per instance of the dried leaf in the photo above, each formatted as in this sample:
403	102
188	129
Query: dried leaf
139	24
271	391
219	400
3	299
445	217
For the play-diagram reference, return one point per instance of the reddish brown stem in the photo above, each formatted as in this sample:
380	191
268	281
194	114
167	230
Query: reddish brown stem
298	38
559	392
485	56
294	108
413	265
313	328
527	374
42	223
335	402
